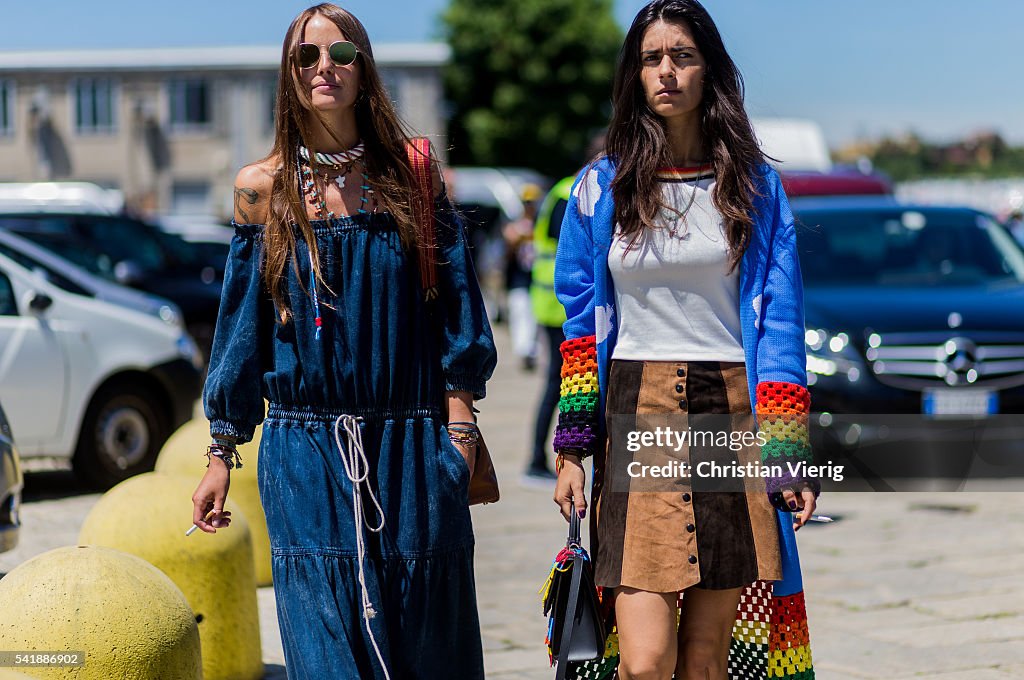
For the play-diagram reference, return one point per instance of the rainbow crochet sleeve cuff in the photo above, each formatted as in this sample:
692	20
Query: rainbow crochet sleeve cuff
782	412
578	402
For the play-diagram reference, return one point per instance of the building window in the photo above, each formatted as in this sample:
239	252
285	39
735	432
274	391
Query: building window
94	105
190	198
269	121
392	83
190	103
6	107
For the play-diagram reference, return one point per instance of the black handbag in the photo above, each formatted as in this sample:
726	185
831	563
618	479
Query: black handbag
575	625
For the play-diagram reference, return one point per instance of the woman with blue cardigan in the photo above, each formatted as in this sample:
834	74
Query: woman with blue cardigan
677	266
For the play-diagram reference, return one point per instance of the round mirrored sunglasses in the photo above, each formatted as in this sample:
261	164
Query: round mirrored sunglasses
342	53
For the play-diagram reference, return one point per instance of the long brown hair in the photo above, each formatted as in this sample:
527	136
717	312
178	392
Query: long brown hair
384	135
637	141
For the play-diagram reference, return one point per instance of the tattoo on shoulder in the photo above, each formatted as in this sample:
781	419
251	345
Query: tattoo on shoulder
243	196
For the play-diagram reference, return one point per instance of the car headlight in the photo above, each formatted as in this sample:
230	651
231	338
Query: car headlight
171	316
188	350
830	354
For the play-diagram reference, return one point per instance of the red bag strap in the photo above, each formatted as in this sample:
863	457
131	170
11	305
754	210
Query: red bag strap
423	212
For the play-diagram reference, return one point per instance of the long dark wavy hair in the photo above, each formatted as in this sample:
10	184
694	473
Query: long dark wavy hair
637	141
382	132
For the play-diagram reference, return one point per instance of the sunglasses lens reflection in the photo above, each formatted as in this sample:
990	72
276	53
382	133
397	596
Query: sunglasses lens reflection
342	53
309	55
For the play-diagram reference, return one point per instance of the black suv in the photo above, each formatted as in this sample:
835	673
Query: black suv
133	253
915	322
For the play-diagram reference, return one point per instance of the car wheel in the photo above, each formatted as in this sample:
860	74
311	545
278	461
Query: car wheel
121	436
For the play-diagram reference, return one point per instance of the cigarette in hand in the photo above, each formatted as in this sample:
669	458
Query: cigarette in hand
820	518
196	526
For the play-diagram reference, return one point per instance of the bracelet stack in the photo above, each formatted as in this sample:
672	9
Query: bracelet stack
464	433
226	451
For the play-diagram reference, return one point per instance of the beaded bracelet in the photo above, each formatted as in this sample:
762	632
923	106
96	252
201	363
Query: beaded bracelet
467	438
460	432
227	453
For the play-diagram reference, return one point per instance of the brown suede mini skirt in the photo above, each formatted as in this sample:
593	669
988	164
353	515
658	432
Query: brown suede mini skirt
669	533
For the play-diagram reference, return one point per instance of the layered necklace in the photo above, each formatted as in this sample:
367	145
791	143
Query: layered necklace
331	167
675	220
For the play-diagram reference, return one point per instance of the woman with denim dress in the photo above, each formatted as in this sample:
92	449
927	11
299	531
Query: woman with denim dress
678	271
323	315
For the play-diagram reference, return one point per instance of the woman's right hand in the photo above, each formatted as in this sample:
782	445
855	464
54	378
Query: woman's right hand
211	494
569	489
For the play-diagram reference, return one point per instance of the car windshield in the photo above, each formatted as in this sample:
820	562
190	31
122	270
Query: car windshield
98	244
902	248
32	264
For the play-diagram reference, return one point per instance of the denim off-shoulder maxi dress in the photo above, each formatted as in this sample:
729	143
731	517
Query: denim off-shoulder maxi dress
386	356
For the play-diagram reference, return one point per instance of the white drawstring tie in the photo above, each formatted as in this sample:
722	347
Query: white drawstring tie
357	469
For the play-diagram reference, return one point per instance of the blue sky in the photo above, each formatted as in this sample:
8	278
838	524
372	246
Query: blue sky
858	68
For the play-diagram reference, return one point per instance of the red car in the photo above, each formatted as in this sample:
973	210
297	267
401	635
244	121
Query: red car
835	183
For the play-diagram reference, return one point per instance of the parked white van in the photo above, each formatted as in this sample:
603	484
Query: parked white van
81	378
60	197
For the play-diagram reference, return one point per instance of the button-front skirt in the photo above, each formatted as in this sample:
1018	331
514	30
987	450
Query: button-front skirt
669	534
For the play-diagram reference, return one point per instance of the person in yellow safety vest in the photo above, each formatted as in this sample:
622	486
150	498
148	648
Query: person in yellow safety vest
550	316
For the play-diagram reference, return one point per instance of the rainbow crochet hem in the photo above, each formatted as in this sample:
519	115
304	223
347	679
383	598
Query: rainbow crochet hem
782	410
770	640
770	637
579	397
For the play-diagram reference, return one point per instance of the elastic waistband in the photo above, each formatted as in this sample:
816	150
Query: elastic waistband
309	414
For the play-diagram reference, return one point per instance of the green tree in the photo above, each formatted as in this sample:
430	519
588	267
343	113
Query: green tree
529	81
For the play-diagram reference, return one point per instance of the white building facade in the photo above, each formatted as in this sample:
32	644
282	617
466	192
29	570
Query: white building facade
171	127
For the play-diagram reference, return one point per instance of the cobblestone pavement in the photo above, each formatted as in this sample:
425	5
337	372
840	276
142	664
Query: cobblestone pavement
901	586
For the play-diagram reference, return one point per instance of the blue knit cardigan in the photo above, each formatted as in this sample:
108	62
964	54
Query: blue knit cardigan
771	322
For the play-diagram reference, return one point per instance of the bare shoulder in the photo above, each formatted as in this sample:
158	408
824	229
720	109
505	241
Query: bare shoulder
253	185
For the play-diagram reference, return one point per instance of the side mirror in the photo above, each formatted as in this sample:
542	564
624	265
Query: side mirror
40	302
128	273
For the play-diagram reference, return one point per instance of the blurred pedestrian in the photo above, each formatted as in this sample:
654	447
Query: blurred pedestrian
677	266
518	235
550	316
1015	224
368	444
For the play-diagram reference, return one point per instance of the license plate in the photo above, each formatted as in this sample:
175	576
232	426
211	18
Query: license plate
960	402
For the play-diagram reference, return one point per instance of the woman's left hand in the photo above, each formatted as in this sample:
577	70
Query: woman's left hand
804	504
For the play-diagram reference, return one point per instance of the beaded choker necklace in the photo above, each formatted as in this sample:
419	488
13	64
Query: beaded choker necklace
339	158
309	185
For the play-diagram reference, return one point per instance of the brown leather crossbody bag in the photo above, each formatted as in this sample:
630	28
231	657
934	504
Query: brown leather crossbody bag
483	486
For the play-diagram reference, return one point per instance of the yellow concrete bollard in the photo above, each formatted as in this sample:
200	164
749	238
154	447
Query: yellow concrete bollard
183	455
131	621
147	516
7	674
